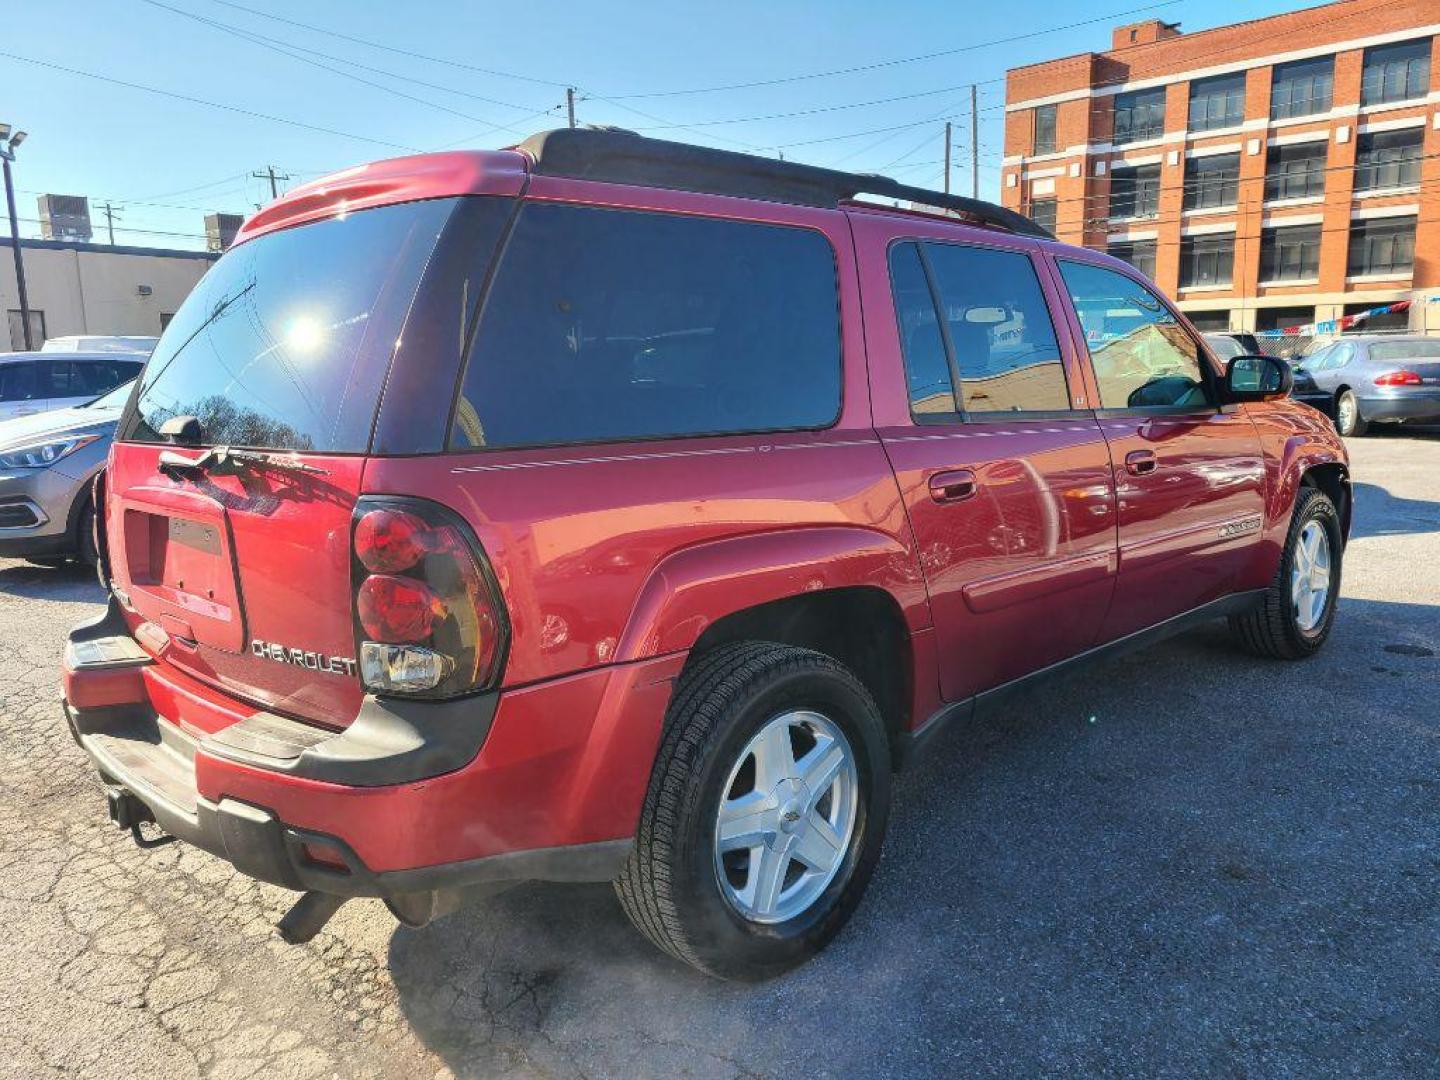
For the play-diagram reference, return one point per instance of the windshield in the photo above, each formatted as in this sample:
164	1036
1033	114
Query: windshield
285	343
1405	350
115	399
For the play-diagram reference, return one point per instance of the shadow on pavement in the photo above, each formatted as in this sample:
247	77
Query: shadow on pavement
1186	860
1379	513
69	582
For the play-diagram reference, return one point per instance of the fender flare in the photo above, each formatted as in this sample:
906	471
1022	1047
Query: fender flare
1301	454
691	589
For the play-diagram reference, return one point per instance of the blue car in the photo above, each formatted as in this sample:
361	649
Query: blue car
1370	379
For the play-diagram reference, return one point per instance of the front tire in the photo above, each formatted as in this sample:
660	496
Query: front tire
740	868
1294	619
1348	421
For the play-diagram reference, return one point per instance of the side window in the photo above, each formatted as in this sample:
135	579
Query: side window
618	324
1143	358
999	327
927	371
19	382
1339	355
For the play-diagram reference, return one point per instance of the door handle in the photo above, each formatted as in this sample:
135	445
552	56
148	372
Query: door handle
1140	462
952	486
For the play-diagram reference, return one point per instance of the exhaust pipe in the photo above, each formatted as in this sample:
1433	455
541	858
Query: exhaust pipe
308	917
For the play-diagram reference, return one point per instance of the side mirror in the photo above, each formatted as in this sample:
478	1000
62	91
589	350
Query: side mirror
1257	378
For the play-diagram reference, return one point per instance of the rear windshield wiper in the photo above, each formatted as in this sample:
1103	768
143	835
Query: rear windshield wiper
226	460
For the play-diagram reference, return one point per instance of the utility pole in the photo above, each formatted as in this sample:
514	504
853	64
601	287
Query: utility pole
974	143
947	157
111	212
570	103
271	175
8	143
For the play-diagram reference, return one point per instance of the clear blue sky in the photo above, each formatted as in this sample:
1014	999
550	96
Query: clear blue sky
143	150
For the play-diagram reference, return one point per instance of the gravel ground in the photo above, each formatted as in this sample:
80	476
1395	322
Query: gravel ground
1184	862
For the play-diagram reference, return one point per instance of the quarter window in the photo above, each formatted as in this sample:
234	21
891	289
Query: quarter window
1217	102
615	324
1296	171
1290	253
1382	246
1139	115
927	367
996	324
1388	159
1206	260
1212	181
1143	358
1396	72
1302	87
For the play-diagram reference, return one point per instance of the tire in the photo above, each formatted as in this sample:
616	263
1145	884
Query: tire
678	889
1278	628
1348	421
85	537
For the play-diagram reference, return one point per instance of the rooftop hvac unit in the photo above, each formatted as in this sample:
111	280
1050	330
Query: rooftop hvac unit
220	230
64	217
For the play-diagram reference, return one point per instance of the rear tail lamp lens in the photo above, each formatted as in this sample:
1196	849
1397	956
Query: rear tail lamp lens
429	618
1398	378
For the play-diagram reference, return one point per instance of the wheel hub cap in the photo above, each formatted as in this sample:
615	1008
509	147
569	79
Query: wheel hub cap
787	817
1310	576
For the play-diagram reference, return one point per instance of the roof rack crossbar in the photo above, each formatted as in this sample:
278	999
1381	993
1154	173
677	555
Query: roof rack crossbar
616	155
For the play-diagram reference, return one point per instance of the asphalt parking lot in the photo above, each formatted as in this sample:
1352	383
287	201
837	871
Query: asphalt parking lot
1185	862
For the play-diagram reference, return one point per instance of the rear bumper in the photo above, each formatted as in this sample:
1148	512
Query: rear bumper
542	783
1420	404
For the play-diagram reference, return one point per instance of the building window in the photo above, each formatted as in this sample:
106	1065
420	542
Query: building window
1302	88
1388	159
1212	181
1218	102
1138	253
1206	260
165	317
1290	253
1139	114
1135	191
1209	322
17	330
1382	246
1042	213
1296	171
1044	130
1282	318
1395	72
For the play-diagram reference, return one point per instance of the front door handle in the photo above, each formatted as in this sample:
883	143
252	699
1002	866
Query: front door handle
1140	462
952	486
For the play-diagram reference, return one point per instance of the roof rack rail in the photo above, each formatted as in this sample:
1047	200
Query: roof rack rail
619	156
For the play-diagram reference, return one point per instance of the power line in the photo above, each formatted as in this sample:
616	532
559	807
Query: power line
209	104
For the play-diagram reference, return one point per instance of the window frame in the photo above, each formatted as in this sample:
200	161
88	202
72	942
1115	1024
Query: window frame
1137	187
1047	295
1363	226
1209	374
1274	178
496	263
1150	97
1207	98
1197	182
1270	236
1312	69
1054	204
1154	248
1374	60
1187	253
1413	157
1052	112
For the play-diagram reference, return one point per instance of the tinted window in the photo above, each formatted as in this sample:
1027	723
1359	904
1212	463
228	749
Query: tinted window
1302	87
1139	115
1206	260
614	324
1217	102
1212	181
1295	171
1290	253
999	327
1382	246
927	371
1143	358
285	342
88	378
20	382
1135	191
1389	159
1395	72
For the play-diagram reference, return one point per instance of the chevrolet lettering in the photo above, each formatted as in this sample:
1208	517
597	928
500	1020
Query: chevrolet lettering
284	654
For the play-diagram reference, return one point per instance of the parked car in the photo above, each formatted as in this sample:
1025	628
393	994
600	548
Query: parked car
744	490
36	382
1226	344
47	464
100	343
1373	379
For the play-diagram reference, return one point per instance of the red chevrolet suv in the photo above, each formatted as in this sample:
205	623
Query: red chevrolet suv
609	509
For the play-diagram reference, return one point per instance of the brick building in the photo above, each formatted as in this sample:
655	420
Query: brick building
1265	174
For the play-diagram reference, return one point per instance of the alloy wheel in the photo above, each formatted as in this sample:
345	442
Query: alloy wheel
1310	576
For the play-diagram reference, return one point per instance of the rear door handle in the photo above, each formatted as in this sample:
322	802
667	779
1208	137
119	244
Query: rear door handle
952	486
1140	462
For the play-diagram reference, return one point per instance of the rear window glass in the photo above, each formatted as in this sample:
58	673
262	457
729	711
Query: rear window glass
1405	350
284	344
614	324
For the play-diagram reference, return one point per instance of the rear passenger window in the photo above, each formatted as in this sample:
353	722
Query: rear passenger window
19	382
995	321
927	370
615	324
1143	358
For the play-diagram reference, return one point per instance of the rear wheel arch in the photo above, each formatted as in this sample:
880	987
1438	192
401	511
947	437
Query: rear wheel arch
861	626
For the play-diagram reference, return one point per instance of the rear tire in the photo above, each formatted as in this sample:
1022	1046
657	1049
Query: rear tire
1348	421
1288	624
85	536
701	895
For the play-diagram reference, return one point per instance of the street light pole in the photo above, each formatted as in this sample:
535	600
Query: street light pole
7	155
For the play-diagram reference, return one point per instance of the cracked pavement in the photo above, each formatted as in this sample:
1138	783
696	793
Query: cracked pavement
1182	862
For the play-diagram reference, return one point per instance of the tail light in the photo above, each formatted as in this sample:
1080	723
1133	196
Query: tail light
428	614
1398	378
